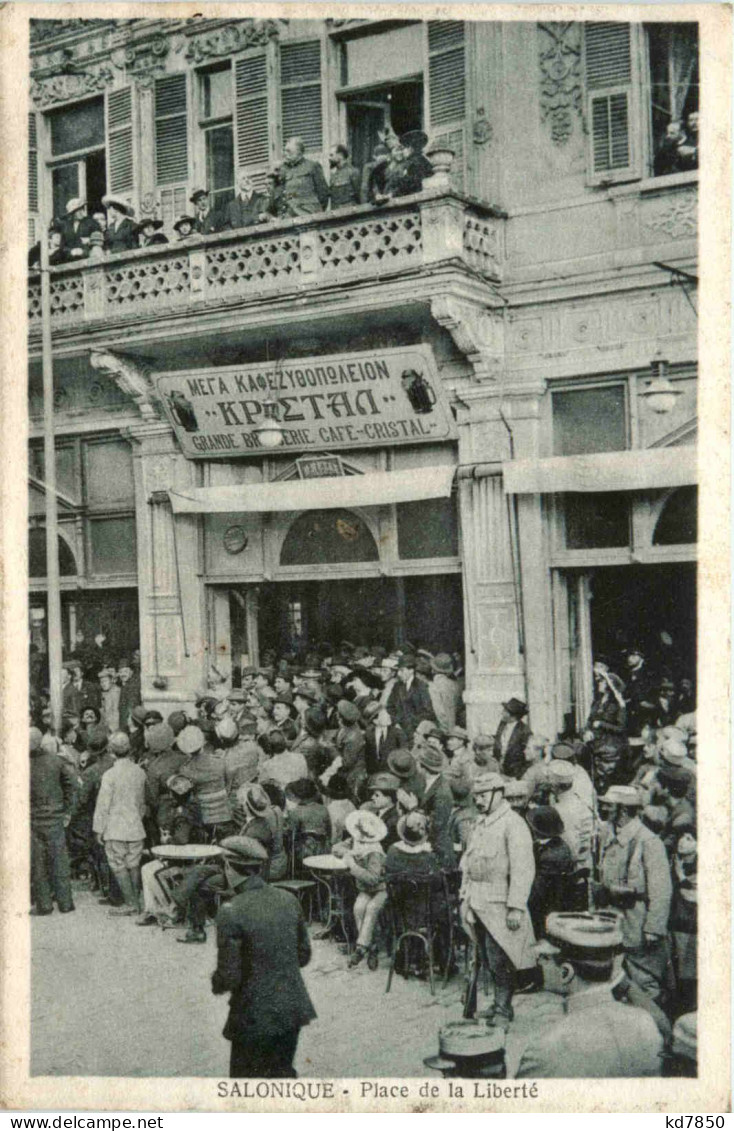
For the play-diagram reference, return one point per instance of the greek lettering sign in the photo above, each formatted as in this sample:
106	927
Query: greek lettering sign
373	399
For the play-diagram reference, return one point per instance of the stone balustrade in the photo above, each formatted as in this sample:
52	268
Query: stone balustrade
356	244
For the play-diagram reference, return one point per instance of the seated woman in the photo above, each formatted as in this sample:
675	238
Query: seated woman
308	819
364	855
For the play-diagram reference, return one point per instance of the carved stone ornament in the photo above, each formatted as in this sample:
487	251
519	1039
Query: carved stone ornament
143	61
133	379
231	38
475	331
67	87
559	56
482	130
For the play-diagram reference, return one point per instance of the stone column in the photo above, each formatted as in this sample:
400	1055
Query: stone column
173	640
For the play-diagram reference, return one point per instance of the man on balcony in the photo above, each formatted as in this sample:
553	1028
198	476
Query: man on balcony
76	229
305	190
206	221
344	183
248	207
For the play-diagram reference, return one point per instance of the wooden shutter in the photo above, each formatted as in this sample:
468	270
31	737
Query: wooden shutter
447	90
120	141
252	114
32	179
300	94
171	137
611	92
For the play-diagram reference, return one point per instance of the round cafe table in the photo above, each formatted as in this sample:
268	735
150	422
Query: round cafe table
333	874
176	859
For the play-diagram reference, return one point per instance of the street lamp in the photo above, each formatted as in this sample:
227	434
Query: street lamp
270	433
660	393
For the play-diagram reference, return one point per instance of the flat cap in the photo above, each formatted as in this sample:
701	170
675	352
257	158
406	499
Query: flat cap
244	850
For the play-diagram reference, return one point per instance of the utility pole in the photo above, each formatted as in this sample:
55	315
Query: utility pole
53	592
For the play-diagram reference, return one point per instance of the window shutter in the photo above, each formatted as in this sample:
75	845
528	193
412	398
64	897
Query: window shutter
120	141
32	178
171	139
252	115
447	90
611	102
173	204
300	93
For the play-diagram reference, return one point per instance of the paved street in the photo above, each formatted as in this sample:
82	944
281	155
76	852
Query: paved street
113	999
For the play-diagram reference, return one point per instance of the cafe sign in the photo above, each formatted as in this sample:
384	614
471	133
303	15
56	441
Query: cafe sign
377	398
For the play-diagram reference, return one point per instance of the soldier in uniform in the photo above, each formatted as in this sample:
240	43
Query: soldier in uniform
344	183
304	186
635	879
498	869
262	942
598	1036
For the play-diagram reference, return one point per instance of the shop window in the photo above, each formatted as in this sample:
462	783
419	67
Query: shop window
327	537
678	521
597	521
37	555
109	473
427	529
589	420
67	478
113	545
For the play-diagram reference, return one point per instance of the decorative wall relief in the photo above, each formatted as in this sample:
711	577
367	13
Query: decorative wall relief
231	38
144	61
673	216
559	56
482	129
66	87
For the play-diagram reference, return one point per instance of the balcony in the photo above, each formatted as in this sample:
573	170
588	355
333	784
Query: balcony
352	246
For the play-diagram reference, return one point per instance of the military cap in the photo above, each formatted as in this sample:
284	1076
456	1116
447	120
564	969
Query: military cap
190	740
563	751
160	737
514	788
487	783
347	711
561	773
119	743
587	934
622	795
244	850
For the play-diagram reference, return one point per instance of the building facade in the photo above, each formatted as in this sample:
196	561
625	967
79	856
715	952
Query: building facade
521	505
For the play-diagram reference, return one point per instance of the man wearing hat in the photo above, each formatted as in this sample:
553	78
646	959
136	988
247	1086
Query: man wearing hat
53	786
121	234
598	1036
118	821
444	691
554	867
577	815
437	803
262	942
581	786
76	228
640	691
458	751
350	744
403	765
517	795
164	761
635	879
206	221
381	737
497	871
129	681
409	701
382	791
511	738
672	786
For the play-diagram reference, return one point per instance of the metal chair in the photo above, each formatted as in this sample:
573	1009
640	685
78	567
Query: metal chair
303	890
420	910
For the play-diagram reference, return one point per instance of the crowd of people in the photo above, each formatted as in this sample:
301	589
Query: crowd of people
363	753
295	186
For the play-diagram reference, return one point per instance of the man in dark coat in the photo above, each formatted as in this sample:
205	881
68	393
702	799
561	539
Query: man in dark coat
344	183
248	207
640	692
409	701
53	793
262	942
76	228
512	738
304	186
380	739
206	221
129	691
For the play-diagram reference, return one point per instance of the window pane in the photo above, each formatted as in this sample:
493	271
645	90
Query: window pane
391	55
77	127
66	476
219	158
65	181
109	469
113	545
595	522
674	79
216	93
589	420
37	555
427	529
324	537
678	521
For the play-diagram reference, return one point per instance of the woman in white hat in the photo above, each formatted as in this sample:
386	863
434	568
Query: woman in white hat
365	857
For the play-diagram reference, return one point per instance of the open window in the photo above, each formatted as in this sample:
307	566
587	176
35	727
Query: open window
216	124
672	51
77	161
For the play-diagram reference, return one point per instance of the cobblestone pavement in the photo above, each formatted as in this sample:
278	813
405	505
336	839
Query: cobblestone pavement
110	998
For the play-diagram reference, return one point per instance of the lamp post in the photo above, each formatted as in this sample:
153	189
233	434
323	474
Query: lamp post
53	593
660	393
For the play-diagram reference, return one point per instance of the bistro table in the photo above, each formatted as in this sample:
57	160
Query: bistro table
333	874
176	858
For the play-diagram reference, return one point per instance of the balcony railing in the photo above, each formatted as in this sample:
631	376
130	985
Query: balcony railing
350	245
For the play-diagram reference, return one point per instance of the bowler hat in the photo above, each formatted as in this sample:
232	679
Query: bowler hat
177	720
516	708
183	220
244	850
119	743
304	789
442	664
347	711
152	717
160	738
401	762
386	783
365	826
488	783
190	740
430	759
197	195
544	821
412	828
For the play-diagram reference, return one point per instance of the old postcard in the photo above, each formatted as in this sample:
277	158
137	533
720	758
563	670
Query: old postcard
365	557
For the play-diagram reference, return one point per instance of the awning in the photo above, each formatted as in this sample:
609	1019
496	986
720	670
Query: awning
374	489
603	471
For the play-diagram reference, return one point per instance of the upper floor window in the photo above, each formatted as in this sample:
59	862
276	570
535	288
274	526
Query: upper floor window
588	420
215	122
642	99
